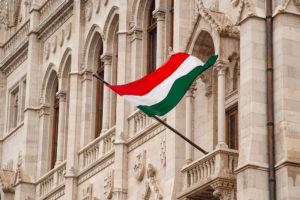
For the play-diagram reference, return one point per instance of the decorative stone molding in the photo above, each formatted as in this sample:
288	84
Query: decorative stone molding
98	5
221	66
61	37
87	193
69	31
6	180
13	65
109	184
159	14
20	176
44	110
88	10
152	185
54	44
139	165
163	150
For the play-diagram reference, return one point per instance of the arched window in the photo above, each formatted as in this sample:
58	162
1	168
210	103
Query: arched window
152	39
232	127
99	96
171	23
54	128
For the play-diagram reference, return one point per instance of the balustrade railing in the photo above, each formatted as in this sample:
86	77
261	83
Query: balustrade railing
219	163
16	39
52	180
48	7
138	121
97	148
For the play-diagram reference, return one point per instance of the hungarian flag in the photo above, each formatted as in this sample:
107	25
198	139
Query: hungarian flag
159	92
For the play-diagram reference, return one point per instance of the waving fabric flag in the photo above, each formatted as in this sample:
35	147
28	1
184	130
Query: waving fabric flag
160	91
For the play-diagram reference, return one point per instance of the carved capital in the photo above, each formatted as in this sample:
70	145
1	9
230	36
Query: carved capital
159	14
44	110
206	78
191	90
61	95
106	59
136	34
221	66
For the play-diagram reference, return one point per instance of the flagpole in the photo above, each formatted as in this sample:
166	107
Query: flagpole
165	124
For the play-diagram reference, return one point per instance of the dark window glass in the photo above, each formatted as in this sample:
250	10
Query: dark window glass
55	129
232	128
152	40
99	97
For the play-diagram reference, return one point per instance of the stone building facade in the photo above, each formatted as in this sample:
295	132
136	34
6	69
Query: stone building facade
63	135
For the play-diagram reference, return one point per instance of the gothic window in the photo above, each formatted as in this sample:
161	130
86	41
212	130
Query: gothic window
152	39
232	128
15	99
99	96
55	129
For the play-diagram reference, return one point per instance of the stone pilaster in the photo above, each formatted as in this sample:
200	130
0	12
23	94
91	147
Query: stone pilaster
107	59
160	14
61	95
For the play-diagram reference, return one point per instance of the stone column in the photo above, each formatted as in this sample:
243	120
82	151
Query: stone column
221	68
159	14
61	95
107	60
188	123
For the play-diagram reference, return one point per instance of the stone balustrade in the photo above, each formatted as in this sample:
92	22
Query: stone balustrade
48	7
51	181
138	121
201	174
15	41
97	148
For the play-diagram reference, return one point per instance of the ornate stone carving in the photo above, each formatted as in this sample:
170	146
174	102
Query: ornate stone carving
69	31
159	14
61	95
109	184
88	11
20	175
224	190
212	5
139	165
297	2
98	5
47	50
136	34
87	192
235	2
152	189
163	150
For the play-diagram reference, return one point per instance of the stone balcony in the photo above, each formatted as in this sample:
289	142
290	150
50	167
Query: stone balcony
211	177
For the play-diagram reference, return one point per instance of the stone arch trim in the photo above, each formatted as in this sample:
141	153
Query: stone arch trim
111	23
93	30
45	82
63	61
139	8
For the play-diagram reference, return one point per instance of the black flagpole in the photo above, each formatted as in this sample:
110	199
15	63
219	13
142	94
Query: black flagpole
165	124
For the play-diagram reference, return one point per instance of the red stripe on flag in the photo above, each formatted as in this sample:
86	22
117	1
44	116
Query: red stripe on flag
147	83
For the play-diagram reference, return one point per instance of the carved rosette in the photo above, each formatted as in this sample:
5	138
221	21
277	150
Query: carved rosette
108	184
139	165
88	11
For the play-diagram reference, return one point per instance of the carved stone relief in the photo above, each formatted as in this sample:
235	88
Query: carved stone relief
163	150
206	78
54	44
62	37
152	190
69	31
108	184
47	50
139	165
224	190
87	192
235	2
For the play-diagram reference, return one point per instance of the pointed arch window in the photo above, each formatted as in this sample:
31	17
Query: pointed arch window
55	129
99	96
152	39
